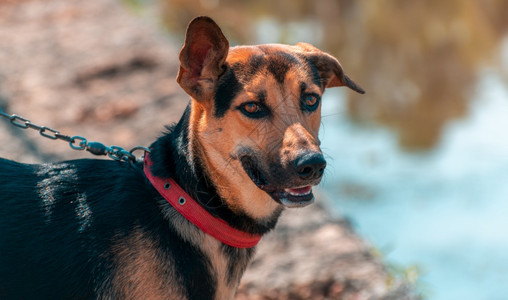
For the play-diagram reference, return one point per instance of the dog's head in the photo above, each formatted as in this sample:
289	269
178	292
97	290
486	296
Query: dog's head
255	117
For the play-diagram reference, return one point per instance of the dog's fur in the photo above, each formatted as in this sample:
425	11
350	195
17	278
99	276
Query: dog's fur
246	147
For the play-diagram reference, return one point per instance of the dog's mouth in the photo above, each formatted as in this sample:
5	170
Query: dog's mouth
299	196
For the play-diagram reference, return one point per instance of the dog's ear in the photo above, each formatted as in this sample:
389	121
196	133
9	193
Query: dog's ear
202	58
329	68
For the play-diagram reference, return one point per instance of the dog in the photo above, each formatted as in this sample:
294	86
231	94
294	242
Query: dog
182	224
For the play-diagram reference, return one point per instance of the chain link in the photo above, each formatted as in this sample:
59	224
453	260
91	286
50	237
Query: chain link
76	142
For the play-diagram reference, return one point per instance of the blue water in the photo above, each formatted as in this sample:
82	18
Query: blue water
444	210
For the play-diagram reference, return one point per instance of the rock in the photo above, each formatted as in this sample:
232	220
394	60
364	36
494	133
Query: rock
89	68
311	255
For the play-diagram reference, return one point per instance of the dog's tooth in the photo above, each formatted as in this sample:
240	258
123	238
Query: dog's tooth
292	193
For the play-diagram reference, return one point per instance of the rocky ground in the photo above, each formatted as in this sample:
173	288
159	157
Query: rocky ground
92	69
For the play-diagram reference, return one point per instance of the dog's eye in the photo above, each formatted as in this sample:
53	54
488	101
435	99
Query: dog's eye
310	102
253	110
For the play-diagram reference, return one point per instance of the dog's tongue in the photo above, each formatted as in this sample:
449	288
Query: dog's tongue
300	191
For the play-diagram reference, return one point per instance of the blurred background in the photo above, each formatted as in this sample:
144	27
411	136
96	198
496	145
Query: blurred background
419	164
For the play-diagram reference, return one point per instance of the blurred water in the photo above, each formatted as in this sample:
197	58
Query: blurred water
445	210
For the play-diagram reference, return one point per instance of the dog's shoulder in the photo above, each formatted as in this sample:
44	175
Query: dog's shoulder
62	181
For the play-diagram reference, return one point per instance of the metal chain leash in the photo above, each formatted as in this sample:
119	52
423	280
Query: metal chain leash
76	142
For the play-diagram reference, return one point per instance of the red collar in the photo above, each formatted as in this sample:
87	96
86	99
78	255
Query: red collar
196	214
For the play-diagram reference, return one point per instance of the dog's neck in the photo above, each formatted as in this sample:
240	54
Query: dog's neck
172	156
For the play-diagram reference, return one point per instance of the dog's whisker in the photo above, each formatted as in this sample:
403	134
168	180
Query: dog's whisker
334	114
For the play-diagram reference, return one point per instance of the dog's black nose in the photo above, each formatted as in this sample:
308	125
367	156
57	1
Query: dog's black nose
310	165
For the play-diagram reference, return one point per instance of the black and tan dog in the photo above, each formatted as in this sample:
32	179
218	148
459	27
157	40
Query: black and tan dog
184	225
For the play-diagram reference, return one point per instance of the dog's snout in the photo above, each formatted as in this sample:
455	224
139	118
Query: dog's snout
310	166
